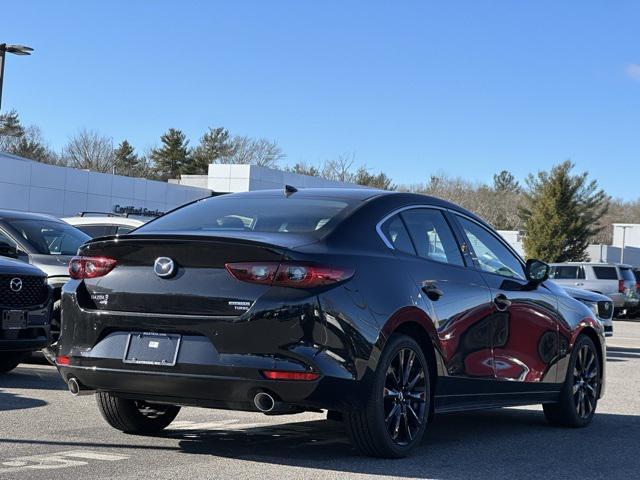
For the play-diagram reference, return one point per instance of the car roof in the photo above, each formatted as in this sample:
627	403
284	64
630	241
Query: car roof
104	220
362	194
591	264
19	215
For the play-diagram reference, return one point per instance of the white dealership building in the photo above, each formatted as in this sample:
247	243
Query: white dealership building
31	186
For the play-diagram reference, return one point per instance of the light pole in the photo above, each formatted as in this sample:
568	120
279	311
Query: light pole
16	50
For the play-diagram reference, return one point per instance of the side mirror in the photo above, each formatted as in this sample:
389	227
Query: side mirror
536	271
7	250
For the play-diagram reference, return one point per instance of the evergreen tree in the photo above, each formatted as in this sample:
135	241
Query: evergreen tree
214	145
304	169
127	162
10	125
363	177
504	182
171	158
561	213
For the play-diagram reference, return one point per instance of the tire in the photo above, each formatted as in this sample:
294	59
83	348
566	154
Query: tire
9	361
135	416
579	394
395	411
51	351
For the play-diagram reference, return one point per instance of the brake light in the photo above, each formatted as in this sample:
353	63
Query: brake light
281	375
63	360
621	286
288	274
90	267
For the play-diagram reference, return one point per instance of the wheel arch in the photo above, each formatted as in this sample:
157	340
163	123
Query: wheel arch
415	323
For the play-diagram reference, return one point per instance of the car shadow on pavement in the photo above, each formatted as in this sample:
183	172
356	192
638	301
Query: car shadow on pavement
36	378
508	443
10	401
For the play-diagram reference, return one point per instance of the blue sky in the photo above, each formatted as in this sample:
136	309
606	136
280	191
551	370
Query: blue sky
413	88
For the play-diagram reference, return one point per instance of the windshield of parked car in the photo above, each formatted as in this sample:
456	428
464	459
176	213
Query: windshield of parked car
253	214
49	237
628	275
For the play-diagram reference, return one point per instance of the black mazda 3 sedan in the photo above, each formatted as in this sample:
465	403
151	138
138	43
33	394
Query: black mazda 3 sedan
381	307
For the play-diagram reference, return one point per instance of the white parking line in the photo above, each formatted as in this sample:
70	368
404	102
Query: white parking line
50	461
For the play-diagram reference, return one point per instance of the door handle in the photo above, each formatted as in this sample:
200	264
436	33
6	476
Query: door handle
501	302
578	284
431	290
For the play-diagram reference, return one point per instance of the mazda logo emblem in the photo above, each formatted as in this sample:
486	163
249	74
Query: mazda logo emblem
164	267
15	284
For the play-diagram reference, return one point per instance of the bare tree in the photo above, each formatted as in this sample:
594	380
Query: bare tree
249	151
340	168
90	151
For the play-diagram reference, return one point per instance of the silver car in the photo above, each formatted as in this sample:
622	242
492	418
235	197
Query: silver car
614	280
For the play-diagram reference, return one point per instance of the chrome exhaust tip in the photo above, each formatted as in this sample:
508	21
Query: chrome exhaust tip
264	402
76	388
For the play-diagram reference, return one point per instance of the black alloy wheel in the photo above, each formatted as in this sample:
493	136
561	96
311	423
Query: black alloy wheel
585	381
405	399
395	410
579	395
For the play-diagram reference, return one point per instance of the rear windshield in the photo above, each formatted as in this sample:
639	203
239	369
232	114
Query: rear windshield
50	237
628	275
254	214
605	273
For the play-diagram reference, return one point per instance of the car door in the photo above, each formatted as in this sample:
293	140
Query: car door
458	299
526	323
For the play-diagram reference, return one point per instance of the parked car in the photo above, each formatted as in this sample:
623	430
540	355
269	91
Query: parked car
25	311
381	306
97	224
614	280
600	305
45	242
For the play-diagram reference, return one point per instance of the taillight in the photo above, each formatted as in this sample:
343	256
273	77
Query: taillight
63	360
284	375
638	286
621	286
90	267
288	274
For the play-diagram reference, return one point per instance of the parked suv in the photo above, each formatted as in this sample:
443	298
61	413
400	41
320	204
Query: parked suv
97	224
45	242
25	310
614	280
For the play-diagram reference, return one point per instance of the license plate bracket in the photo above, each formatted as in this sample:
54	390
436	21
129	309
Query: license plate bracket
14	319
150	348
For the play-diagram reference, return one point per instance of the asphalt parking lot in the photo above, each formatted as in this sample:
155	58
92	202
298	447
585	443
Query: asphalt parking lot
46	433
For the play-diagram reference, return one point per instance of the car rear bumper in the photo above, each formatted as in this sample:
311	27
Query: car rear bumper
213	391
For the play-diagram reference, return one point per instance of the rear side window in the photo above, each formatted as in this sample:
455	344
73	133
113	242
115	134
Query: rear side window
397	235
605	273
254	214
566	272
432	236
